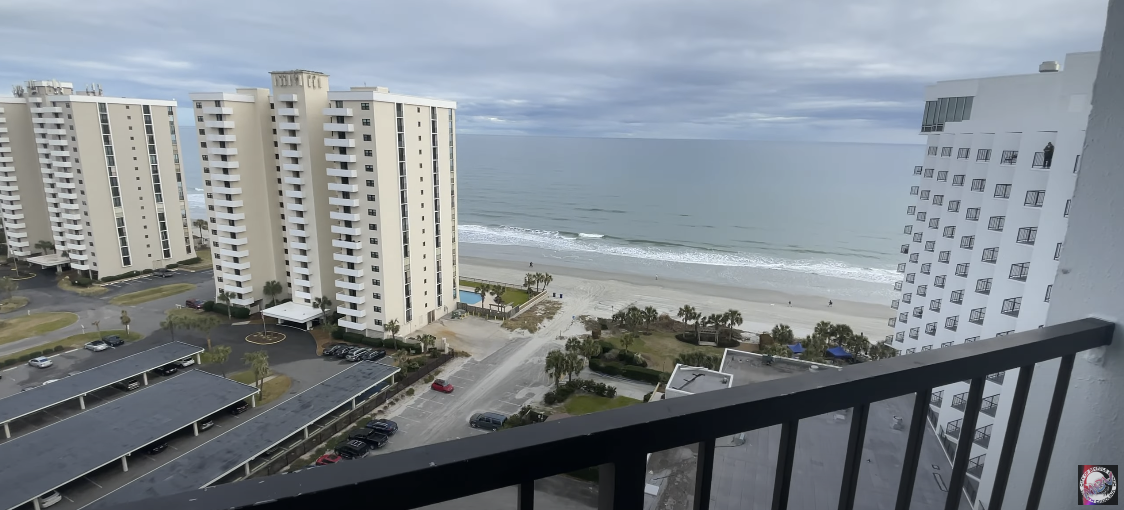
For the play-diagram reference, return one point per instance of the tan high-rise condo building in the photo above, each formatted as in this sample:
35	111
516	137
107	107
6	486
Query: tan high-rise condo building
91	182
347	199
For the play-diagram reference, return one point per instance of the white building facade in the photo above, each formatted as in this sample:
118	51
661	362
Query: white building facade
982	241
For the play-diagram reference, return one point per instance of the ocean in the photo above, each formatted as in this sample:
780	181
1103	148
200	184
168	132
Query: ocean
820	219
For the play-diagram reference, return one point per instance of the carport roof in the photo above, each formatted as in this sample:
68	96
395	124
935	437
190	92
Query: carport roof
293	312
27	402
49	260
60	453
223	454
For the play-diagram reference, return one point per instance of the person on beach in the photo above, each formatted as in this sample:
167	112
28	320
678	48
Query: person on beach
790	303
829	303
532	264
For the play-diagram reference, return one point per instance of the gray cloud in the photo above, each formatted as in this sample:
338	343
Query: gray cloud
746	69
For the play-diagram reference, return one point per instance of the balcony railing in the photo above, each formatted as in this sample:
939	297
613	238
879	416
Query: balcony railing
958	401
996	378
937	398
982	436
989	405
619	440
933	415
953	428
975	466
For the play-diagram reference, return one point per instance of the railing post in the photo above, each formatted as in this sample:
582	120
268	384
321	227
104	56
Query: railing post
1014	424
704	475
526	495
785	453
913	449
621	484
853	462
1053	419
964	445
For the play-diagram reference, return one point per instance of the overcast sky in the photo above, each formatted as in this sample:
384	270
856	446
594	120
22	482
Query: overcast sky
832	70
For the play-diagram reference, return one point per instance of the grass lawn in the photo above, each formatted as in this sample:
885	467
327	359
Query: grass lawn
146	295
26	326
72	342
661	348
184	312
204	263
11	305
271	390
532	318
511	297
585	404
92	290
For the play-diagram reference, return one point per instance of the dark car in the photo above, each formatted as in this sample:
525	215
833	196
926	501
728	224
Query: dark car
357	354
331	349
239	407
371	437
113	341
168	369
268	454
195	304
343	352
383	426
374	355
163	272
155	448
353	449
328	458
487	420
128	385
442	385
206	423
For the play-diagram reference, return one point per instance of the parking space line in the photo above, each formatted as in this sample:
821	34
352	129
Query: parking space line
510	404
91	481
68	499
418	409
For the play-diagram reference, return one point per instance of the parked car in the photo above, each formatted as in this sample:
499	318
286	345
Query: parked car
40	362
155	448
239	407
163	272
127	385
357	354
194	304
113	340
206	423
371	437
268	454
328	458
330	350
49	499
383	426
353	450
374	355
168	369
97	345
342	353
442	385
186	362
487	420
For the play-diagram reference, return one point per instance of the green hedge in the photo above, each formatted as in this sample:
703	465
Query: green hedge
564	391
170	266
606	346
146	271
10	361
35	354
236	311
81	281
628	371
192	260
121	276
340	334
688	337
208	306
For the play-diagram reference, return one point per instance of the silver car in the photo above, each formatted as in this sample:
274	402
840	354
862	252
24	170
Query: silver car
97	346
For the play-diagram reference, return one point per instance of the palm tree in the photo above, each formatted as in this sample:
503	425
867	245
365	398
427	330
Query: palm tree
627	340
689	313
698	359
259	365
97	326
590	348
206	323
8	286
556	365
546	279
272	289
529	282
650	316
218	355
574	365
402	357
427	341
225	298
715	320
323	304
171	323
782	334
200	224
822	330
125	320
497	293
45	245
393	327
732	318
483	289
633	317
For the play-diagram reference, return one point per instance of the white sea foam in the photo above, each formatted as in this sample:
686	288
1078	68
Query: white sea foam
551	240
590	236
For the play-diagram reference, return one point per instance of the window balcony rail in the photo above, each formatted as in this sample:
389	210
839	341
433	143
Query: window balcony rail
957	297
922	290
933	416
917	170
937	398
982	436
1011	306
1019	271
977	316
1040	161
996	378
618	440
914	333
989	405
953	428
975	466
958	401
1009	158
951	323
931	328
983	155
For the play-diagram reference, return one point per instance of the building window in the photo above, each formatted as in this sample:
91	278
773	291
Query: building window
922	290
973	214
366	122
1011	306
1027	235
921	216
913	333
946	152
913	257
926	268
364	106
918	311
911	350
939	281
957	296
950	324
930	329
924	194
366	138
935	305
901	267
950	231
978	184
1066	213
370	198
928	173
942	176
907	297
938	199
1049	289
1035	198
968	242
378	322
908	229
983	286
909	278
903	318
917	237
953	206
977	316
913	190
1009	158
990	255
945	109
1058	252
892	322
932	151
371	212
1019	271
369	168
996	223
929	245
911	210
368	152
962	269
935	223
958	180
944	256
983	155
1002	191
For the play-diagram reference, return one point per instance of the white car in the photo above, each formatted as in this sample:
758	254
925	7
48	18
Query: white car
40	362
186	362
97	345
49	499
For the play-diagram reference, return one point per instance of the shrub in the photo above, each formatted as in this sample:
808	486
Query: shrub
643	374
604	367
372	342
170	266
82	281
59	348
337	333
726	341
36	354
10	361
631	358
25	357
146	271
688	336
550	398
409	392
209	306
237	312
192	260
648	396
606	346
603	323
429	378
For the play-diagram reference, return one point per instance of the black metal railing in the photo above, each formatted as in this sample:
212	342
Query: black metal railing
933	415
996	378
982	436
937	398
990	405
959	401
953	428
619	440
975	466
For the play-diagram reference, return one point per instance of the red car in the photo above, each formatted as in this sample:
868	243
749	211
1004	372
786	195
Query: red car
194	304
328	458
442	385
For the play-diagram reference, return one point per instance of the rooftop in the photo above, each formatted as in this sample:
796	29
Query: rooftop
687	380
747	367
293	311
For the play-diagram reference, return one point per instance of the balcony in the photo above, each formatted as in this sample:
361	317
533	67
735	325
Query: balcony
291	167
953	428
299	258
346	128
355	273
339	142
347	298
975	466
290	126
58	143
298	246
241	266
225	177
336	172
982	436
223	164
217	110
349	188
238	290
225	124
290	153
352	259
349	285
228	203
235	277
232	241
302	270
74	237
242	302
230	216
343	202
482	463
958	401
219	151
338	112
996	378
296	140
294	194
221	138
233	253
290	98
298	220
347	245
298	233
989	405
295	207
301	282
226	191
343	216
340	158
292	112
351	231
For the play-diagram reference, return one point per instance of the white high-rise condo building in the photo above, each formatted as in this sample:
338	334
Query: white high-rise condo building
343	197
98	177
985	234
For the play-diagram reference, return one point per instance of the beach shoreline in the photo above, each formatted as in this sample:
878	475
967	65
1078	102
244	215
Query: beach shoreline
760	308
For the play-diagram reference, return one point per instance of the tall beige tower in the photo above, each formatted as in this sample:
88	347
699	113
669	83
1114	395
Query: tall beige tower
365	208
109	193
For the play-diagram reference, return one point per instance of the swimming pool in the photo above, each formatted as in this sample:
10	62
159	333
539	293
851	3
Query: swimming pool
469	298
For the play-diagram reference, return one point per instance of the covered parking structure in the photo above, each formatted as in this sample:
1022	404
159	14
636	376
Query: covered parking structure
56	455
79	385
55	260
235	449
295	314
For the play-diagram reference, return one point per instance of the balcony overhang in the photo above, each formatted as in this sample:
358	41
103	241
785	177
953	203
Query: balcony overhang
297	313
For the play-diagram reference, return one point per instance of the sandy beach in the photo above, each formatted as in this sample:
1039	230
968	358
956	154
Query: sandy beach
599	293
